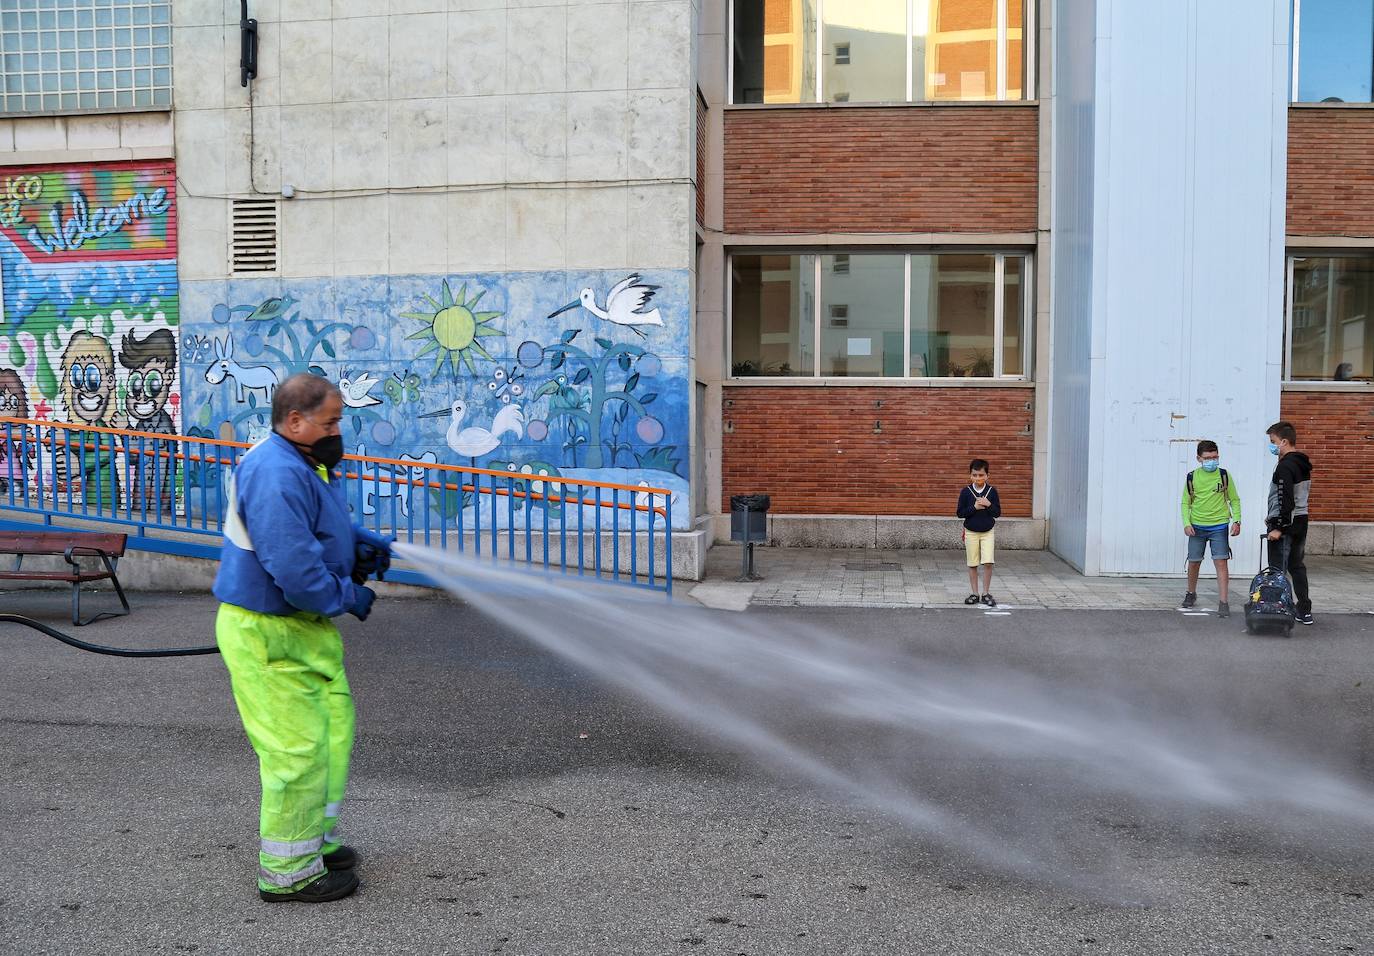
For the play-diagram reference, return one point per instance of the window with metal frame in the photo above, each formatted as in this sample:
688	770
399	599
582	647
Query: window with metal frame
881	51
1332	51
890	315
1329	332
70	56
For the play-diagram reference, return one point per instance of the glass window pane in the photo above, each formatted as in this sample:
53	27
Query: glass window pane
861	316
1335	51
775	52
772	315
1013	316
1332	323
961	50
1015	65
952	315
863	51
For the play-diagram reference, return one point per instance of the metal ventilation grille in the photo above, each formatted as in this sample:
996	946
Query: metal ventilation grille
254	236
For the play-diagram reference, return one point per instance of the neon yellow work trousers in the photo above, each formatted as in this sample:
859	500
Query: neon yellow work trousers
291	691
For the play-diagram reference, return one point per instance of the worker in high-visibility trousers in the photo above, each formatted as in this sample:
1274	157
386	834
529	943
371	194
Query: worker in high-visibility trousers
292	560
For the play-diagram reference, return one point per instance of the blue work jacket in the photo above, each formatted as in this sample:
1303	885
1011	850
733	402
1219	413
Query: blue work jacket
289	542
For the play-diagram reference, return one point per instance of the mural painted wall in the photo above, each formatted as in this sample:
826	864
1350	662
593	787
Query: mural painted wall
89	329
579	375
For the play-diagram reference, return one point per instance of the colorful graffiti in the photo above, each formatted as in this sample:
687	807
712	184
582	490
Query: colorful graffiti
496	370
90	304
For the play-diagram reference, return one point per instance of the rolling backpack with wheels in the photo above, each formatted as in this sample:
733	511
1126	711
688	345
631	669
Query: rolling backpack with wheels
1271	606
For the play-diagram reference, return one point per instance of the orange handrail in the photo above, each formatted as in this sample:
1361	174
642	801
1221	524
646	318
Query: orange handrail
390	479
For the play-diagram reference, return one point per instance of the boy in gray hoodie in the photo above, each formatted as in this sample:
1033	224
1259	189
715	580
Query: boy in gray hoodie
1287	516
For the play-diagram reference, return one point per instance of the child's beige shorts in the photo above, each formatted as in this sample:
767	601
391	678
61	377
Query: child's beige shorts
978	547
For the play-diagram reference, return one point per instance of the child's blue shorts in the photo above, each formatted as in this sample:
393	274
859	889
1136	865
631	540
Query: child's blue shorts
1221	543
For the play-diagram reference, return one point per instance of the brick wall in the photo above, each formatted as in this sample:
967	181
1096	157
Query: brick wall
881	169
815	452
701	159
1330	172
1334	429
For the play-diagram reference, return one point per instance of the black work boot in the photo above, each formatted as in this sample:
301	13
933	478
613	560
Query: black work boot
331	886
344	858
1189	599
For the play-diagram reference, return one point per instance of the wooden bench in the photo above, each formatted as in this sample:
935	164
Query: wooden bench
109	548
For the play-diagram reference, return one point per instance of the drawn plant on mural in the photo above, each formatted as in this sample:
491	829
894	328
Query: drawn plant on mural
660	458
562	398
600	393
295	342
454	329
271	322
201	474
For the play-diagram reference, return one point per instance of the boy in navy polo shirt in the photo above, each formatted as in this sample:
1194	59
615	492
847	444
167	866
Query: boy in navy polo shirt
980	508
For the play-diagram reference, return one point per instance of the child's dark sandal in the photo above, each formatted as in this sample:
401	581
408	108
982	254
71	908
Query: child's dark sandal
971	599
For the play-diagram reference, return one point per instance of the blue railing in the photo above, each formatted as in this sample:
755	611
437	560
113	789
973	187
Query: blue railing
168	493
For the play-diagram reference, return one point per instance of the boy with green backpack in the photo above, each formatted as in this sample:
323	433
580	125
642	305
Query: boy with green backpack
1210	507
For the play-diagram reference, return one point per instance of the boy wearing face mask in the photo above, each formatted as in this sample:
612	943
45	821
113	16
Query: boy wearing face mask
1287	515
1210	506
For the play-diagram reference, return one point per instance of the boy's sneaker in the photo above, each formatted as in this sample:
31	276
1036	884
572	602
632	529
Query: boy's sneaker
971	599
1305	617
1189	599
989	600
1223	609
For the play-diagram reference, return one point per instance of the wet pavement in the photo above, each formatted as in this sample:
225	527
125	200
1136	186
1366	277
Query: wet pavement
504	802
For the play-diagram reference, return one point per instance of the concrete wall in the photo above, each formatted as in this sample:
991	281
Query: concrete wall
107	137
514	153
498	136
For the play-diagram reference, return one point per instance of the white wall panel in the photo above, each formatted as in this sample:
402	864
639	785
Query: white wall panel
1071	494
1192	311
1185	311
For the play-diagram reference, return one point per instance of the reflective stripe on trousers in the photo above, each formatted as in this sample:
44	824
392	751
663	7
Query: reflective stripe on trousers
293	696
299	848
287	880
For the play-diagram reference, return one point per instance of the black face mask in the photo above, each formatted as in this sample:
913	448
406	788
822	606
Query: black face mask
328	451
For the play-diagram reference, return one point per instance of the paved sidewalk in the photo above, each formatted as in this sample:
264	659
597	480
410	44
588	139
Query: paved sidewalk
852	577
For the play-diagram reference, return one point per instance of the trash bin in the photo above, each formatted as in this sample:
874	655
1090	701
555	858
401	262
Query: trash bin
749	518
749	526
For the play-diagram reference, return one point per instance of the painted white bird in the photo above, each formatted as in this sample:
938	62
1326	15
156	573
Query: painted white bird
473	442
624	304
354	391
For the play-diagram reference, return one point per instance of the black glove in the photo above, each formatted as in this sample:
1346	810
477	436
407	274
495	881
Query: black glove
371	556
362	604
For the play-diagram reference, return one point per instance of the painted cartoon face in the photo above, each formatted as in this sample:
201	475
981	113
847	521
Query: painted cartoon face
14	402
149	388
90	385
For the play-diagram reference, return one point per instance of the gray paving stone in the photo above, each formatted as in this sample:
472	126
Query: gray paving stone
814	577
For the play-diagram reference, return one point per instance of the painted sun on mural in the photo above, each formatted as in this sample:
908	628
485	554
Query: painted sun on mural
535	374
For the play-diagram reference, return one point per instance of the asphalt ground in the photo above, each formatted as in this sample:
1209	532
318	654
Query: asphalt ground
504	803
